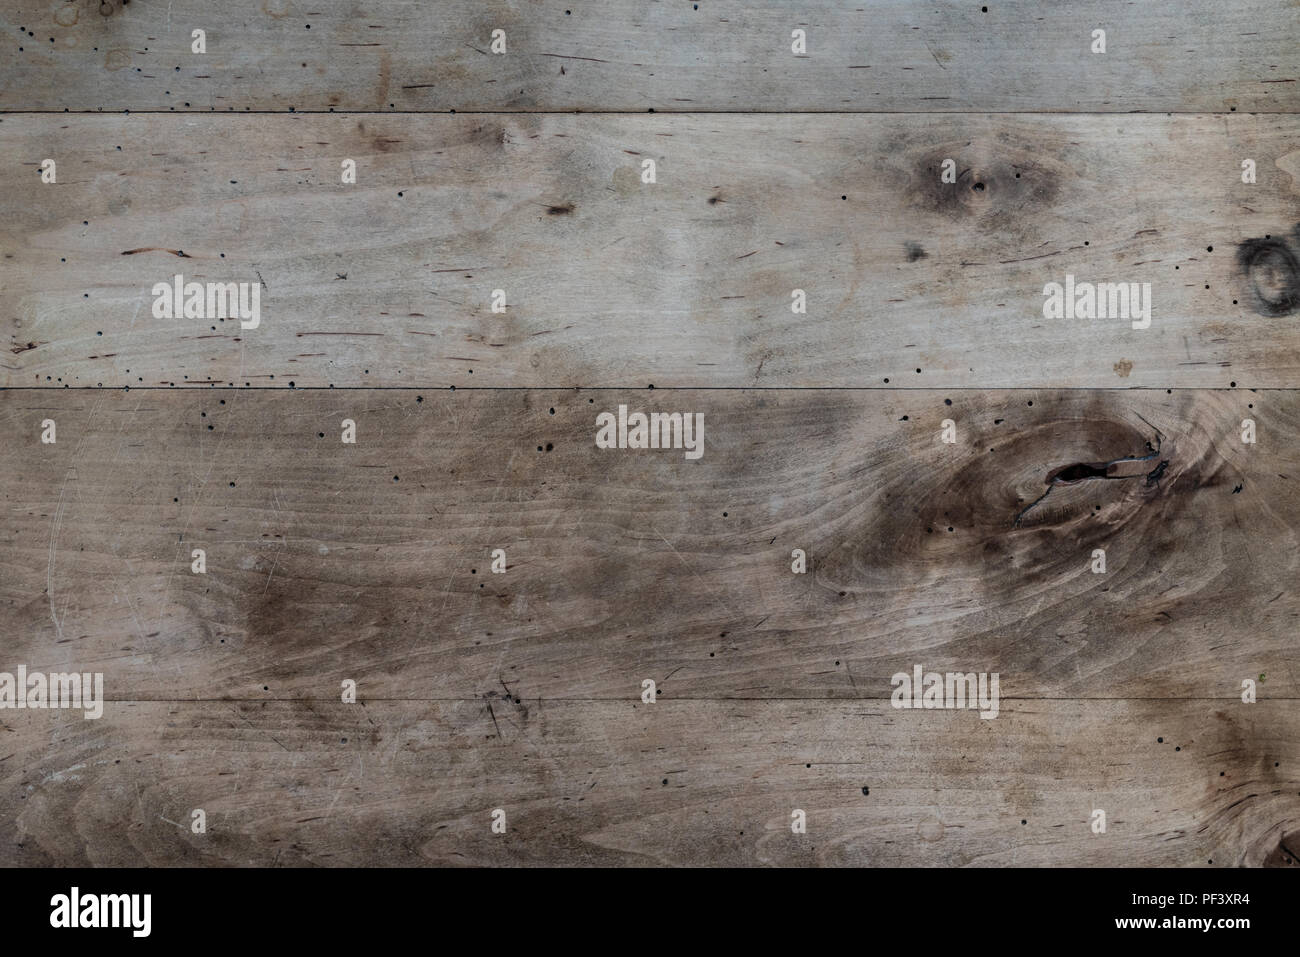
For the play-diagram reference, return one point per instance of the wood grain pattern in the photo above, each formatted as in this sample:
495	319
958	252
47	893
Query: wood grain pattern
686	282
775	172
889	55
327	561
601	783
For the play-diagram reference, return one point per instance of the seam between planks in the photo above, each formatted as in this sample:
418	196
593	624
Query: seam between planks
647	112
625	700
198	387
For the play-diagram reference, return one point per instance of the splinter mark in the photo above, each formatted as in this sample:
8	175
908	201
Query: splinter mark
156	249
1085	471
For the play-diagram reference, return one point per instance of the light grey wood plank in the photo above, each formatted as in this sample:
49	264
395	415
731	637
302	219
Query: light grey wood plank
686	282
889	55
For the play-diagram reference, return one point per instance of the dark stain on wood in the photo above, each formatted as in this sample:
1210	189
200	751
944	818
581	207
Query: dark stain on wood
1272	274
155	249
1001	187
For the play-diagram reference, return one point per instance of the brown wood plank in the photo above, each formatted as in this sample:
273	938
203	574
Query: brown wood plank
684	282
889	55
372	561
1077	440
702	783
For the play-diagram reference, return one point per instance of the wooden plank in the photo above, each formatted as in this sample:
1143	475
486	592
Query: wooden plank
700	783
371	562
889	55
684	282
1073	440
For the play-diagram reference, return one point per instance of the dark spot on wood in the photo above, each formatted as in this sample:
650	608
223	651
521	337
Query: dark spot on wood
561	210
1271	274
1002	186
1154	475
1284	855
1077	473
155	249
915	251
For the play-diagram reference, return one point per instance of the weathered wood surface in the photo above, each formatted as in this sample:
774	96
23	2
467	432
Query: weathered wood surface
1183	783
372	562
328	561
685	282
895	55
